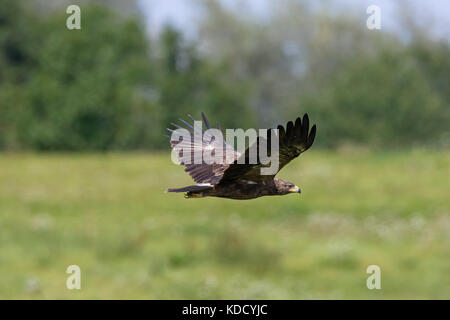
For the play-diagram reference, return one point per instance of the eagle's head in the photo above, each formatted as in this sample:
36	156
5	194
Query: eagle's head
285	187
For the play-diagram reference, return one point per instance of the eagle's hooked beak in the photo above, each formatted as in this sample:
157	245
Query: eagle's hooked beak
295	190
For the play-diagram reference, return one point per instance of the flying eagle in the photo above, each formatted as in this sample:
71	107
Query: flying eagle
241	179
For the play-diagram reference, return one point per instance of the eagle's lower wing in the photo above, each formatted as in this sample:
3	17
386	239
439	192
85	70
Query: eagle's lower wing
200	171
293	140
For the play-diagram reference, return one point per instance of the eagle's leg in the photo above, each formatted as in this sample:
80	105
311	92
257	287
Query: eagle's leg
192	194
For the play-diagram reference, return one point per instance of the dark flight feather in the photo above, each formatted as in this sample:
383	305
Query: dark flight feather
293	141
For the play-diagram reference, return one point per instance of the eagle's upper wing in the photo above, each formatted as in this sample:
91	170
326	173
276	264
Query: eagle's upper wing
200	171
293	140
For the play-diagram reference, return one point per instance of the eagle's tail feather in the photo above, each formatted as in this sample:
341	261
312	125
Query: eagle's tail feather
194	188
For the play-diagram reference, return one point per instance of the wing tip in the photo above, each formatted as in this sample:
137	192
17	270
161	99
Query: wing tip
205	120
312	135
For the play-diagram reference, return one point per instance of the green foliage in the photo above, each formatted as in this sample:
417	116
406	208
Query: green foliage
83	92
110	86
384	101
188	83
360	86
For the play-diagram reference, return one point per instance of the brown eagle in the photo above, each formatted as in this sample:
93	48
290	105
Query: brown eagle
240	179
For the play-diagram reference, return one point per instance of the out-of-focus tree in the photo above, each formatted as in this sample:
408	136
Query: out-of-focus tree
111	86
360	86
190	84
18	45
383	101
83	90
105	86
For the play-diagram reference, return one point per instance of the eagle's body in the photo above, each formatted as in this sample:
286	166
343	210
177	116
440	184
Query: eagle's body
241	189
242	181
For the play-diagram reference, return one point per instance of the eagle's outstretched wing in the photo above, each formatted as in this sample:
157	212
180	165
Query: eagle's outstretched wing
200	171
293	140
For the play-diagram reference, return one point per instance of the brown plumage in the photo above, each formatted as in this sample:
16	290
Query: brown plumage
233	180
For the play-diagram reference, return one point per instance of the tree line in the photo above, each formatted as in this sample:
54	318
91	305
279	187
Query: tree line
111	86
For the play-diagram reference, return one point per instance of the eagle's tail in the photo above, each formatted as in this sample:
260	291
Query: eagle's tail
195	188
193	191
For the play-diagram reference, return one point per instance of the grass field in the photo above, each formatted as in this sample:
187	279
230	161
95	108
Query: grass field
109	215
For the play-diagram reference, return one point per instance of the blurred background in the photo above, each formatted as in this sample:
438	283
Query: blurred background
84	161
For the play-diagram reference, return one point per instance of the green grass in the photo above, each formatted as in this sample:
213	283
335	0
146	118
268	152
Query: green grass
109	215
